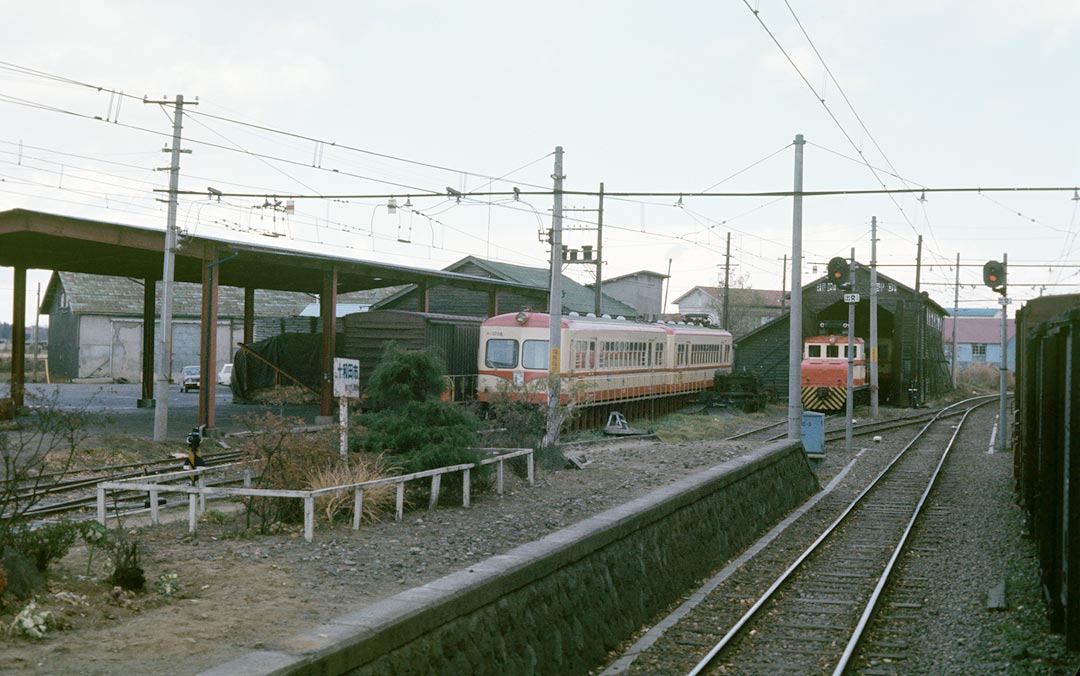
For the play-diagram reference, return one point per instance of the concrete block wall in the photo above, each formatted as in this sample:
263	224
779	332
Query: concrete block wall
559	604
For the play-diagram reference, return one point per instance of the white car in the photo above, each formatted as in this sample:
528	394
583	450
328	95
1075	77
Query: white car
189	378
224	376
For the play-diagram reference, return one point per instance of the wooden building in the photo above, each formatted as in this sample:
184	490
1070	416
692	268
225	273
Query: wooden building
911	355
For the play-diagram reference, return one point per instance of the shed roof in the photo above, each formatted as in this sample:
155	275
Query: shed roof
755	297
123	296
576	298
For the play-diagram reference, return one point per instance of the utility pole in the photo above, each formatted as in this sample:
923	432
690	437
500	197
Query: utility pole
955	312
916	391
873	319
164	342
555	306
783	285
795	330
600	251
727	285
1003	420
852	299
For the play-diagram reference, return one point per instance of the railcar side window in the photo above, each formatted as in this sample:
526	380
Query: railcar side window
659	354
534	354
501	353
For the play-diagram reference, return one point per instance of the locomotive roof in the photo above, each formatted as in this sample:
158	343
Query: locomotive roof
540	320
830	338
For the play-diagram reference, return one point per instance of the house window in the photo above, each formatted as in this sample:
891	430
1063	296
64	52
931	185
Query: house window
978	351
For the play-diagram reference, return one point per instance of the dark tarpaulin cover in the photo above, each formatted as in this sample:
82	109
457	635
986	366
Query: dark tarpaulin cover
298	354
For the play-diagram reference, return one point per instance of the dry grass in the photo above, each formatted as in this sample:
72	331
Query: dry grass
982	378
378	500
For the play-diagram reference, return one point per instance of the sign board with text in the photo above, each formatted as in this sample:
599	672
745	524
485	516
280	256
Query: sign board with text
346	378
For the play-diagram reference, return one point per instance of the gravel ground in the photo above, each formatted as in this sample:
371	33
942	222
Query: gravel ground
970	541
236	593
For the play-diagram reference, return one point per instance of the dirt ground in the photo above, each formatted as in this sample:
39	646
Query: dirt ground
237	591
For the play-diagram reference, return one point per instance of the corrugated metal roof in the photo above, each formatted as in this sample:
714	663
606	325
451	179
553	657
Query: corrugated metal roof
981	330
123	296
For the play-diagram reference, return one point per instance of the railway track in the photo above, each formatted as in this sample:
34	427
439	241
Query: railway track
74	492
813	616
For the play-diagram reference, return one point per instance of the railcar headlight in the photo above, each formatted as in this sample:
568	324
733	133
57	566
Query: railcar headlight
521	318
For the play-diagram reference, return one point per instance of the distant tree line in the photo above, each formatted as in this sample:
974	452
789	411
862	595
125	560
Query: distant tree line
5	332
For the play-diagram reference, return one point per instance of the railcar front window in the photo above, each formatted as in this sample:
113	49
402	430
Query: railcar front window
501	353
534	354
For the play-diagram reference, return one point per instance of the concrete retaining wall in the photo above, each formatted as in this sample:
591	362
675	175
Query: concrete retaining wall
557	605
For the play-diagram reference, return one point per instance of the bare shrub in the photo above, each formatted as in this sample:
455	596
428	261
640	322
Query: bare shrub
282	458
980	377
367	467
40	450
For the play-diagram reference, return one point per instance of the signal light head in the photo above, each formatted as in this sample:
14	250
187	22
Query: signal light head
994	276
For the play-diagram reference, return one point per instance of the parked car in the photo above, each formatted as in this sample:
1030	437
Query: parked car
189	378
224	377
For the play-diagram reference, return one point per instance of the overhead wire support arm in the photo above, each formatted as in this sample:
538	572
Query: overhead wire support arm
589	193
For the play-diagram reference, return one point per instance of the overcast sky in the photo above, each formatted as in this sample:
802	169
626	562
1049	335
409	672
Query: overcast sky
678	99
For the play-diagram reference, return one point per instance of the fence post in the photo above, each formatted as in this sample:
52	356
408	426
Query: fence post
529	464
499	478
192	511
154	507
247	477
101	505
436	482
358	508
400	506
465	488
309	518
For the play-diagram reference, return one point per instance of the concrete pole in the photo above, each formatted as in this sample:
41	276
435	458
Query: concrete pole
727	284
850	407
37	327
917	362
1003	420
164	342
873	320
955	312
555	305
795	330
18	340
600	253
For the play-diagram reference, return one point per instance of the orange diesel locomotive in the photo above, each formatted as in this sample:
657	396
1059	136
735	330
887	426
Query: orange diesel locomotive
600	360
824	371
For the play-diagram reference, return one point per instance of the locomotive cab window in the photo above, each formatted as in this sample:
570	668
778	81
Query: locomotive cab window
534	354
813	351
501	353
832	351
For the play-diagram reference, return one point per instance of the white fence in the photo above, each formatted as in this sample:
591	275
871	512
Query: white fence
197	494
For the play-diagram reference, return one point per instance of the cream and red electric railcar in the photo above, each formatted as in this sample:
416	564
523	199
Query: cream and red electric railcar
600	360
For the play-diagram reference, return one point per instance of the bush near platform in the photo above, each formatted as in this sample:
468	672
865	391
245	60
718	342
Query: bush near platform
410	424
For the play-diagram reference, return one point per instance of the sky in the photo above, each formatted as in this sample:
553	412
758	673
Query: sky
410	98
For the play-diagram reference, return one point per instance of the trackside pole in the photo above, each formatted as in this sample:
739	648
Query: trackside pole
795	317
852	298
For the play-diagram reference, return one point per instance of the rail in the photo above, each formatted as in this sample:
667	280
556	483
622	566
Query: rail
728	638
198	493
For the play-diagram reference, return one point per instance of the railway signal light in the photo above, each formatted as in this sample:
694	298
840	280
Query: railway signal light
840	272
994	276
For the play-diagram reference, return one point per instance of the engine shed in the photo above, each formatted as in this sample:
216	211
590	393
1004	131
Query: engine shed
911	356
